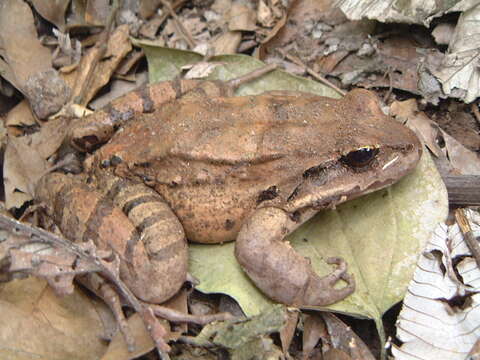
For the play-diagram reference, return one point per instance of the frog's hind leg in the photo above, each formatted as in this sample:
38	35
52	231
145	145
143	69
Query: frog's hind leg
279	271
129	219
161	234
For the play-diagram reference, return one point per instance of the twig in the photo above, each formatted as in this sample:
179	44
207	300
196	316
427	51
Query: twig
155	329
468	236
390	86
311	72
183	30
177	316
235	83
476	112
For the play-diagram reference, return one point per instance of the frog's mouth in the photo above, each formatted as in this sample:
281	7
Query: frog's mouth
352	176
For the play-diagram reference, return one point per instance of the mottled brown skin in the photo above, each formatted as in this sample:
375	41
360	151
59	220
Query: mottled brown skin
254	168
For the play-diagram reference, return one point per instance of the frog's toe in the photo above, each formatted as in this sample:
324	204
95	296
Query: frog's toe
321	290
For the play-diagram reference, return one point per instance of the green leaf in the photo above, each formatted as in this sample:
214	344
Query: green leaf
233	334
166	63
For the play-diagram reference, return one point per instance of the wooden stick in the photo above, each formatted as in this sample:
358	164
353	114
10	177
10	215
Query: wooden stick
472	243
311	72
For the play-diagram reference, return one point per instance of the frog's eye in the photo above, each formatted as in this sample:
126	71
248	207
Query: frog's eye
360	157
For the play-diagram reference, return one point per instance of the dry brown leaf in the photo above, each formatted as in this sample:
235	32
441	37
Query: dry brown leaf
47	141
265	14
22	167
20	47
47	92
148	8
345	339
53	11
118	88
313	330
21	115
6	70
117	348
26	159
288	331
179	302
465	161
118	47
39	324
425	128
397	58
242	17
227	43
97	11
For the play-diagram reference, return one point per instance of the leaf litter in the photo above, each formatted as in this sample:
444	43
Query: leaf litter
198	36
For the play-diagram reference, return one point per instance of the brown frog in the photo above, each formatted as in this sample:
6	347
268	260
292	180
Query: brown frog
214	168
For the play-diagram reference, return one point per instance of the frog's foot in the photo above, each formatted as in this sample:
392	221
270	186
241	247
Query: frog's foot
280	272
321	291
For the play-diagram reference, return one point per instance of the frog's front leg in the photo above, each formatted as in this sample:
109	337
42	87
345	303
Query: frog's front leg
86	134
280	272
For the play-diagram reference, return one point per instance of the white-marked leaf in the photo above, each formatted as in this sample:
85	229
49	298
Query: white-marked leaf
441	311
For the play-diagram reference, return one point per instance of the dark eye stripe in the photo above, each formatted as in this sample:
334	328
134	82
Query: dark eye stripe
360	157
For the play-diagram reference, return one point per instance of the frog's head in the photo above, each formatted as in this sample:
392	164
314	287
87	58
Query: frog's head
371	151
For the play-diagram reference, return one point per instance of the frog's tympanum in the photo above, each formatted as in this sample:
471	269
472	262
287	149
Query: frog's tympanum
197	165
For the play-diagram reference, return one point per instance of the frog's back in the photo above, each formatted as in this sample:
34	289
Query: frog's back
216	160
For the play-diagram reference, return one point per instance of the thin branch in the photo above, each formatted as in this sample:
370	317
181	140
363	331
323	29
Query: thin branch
311	72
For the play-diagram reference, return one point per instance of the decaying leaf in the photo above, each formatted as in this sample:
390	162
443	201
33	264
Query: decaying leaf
26	161
39	324
118	47
460	72
117	349
245	338
344	340
313	330
22	168
19	45
20	116
410	12
461	159
441	312
53	11
425	129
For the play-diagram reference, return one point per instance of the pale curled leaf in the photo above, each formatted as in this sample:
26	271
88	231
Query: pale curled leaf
431	324
460	73
410	12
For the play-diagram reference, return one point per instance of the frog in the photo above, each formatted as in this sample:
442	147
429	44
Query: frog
187	160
